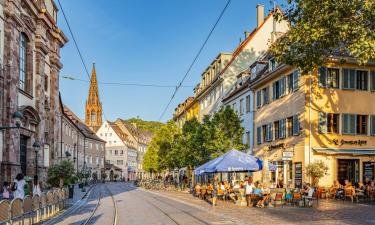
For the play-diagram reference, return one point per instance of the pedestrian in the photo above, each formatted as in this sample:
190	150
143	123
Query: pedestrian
249	186
215	190
36	187
6	191
18	186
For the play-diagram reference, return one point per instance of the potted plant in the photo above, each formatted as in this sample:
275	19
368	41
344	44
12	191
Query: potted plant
316	170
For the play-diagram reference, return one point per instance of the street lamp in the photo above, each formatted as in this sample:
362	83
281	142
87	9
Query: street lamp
36	147
17	116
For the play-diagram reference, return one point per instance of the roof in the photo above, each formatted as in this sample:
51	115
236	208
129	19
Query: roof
85	130
237	89
118	131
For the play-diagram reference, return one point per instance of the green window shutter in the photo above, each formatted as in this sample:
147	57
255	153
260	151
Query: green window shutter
322	76
296	125
259	103
282	86
373	80
372	132
259	135
282	128
322	122
345	123
274	90
352	79
296	75
345	79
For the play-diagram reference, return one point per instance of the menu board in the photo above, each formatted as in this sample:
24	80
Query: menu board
298	175
368	170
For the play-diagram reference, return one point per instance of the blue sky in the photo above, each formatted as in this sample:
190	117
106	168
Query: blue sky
147	42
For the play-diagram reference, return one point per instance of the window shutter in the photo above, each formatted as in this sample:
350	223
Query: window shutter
322	122
352	123
259	135
322	76
345	123
282	86
274	90
345	79
269	131
259	103
282	128
296	74
372	132
373	80
296	125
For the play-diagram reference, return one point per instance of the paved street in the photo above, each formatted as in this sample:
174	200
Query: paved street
137	206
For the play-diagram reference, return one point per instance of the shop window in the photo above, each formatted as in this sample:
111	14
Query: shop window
328	123
362	80
348	124
329	77
361	124
348	79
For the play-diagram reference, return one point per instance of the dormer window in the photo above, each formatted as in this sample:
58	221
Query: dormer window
272	64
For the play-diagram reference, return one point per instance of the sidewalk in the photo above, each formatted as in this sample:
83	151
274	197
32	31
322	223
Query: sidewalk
78	195
328	211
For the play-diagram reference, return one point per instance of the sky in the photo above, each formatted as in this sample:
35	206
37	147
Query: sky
145	42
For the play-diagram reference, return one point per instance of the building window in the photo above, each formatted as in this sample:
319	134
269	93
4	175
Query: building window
116	152
93	116
234	107
348	79
268	132
293	81
329	77
348	124
272	64
278	88
282	128
23	62
248	103
121	152
372	131
242	109
276	126
328	123
362	124
120	162
296	125
265	93
373	80
259	99
248	138
362	80
259	135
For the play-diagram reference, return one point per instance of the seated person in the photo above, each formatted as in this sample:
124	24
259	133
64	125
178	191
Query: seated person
361	191
197	188
335	187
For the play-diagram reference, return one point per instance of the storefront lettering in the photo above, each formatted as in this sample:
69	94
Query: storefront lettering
346	142
278	146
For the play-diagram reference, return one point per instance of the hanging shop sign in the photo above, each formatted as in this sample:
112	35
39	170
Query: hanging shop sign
341	142
287	156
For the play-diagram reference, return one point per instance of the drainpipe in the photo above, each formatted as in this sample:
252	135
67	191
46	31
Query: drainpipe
310	124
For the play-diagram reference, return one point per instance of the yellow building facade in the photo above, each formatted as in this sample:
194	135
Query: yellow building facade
327	115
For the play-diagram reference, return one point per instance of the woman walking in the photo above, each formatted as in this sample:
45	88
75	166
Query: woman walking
18	186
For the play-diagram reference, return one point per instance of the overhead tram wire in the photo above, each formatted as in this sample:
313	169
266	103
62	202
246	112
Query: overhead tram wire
194	60
126	84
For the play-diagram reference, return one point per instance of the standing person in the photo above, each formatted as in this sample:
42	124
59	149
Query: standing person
18	186
6	192
36	187
249	186
214	191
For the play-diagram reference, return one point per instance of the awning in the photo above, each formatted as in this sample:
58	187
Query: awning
345	151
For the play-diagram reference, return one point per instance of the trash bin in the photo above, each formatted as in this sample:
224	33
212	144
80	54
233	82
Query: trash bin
71	190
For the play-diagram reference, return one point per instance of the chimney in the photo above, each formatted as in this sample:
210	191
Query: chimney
260	14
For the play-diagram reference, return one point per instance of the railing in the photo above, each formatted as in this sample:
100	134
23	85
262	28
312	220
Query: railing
33	209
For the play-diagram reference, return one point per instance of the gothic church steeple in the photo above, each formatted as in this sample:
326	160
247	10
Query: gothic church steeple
93	110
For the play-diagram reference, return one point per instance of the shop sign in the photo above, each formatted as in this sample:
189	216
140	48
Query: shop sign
287	156
348	142
278	146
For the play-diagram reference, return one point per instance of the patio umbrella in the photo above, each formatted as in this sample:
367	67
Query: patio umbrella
233	161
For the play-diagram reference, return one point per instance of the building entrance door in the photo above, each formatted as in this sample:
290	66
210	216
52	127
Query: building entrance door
23	153
348	169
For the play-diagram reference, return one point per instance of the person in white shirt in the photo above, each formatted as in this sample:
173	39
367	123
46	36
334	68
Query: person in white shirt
249	186
19	183
36	187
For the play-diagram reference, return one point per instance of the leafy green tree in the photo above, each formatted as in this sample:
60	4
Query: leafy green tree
316	170
323	28
61	174
150	126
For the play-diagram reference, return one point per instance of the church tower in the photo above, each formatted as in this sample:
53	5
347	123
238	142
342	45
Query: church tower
93	110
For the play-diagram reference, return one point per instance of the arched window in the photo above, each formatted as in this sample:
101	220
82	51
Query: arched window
23	62
93	116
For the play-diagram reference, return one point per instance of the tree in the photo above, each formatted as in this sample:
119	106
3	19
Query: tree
316	170
150	126
223	132
323	28
61	174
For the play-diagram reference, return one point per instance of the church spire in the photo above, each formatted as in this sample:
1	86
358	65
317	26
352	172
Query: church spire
93	110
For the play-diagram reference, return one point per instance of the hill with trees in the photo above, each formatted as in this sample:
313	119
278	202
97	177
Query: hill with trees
150	126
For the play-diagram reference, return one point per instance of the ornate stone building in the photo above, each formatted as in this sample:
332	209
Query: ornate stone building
93	110
29	82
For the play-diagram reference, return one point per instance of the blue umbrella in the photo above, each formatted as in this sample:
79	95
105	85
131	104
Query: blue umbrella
233	161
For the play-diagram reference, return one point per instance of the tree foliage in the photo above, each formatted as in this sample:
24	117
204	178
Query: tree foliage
316	170
61	174
323	28
150	126
195	143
